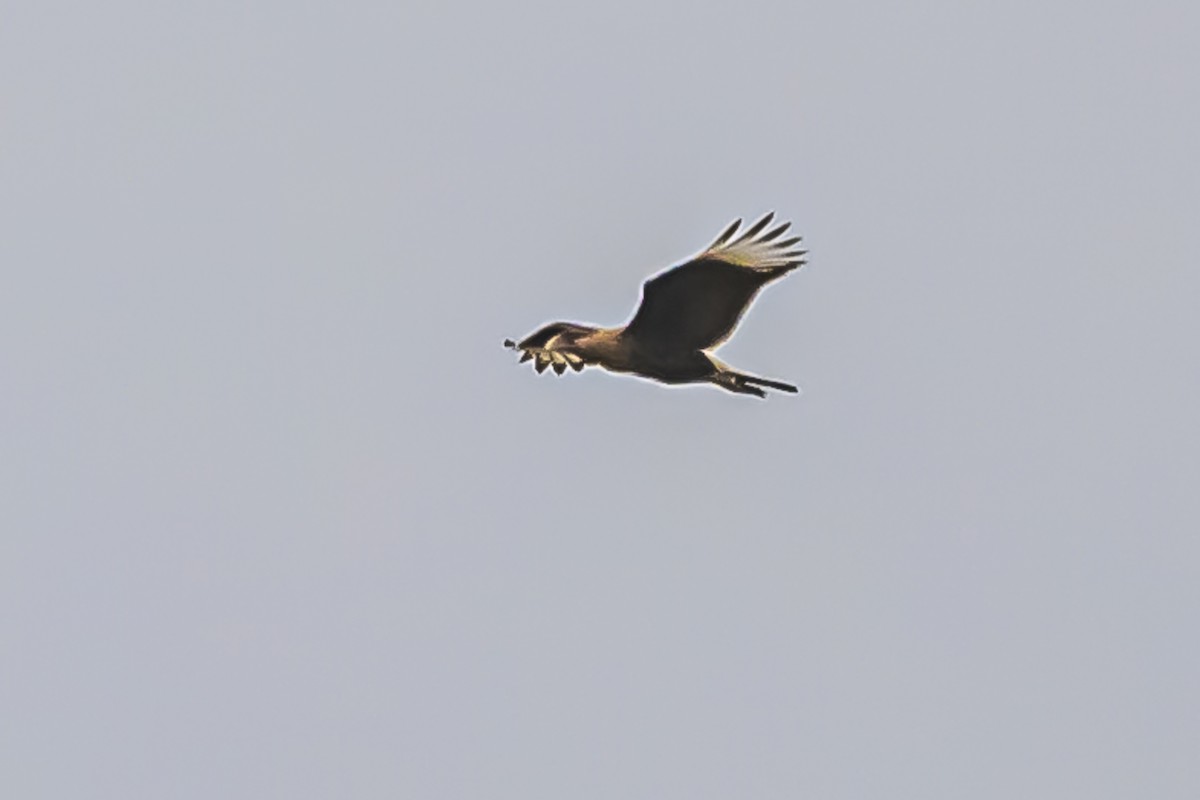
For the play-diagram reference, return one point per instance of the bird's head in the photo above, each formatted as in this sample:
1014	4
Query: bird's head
552	345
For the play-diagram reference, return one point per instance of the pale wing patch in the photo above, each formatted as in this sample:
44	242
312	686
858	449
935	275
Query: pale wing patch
559	360
757	247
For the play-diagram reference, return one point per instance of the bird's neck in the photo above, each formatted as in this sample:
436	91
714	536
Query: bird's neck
607	347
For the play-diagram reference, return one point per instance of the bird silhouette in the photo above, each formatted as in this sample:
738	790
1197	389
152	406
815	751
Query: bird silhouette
686	312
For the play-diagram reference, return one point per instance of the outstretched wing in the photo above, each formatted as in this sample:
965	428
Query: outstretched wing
696	305
547	347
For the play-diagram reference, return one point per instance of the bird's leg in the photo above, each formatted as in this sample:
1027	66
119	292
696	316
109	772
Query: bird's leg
779	385
736	383
731	380
744	388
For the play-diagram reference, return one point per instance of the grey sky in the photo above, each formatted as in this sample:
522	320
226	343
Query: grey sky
282	519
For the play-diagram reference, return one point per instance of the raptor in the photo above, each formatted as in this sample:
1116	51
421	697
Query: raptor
686	313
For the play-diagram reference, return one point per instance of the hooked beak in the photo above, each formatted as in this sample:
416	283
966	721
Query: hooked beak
525	354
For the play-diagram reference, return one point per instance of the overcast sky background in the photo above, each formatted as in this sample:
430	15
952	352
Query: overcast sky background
282	519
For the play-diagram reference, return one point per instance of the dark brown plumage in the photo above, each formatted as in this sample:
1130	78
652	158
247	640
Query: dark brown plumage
685	312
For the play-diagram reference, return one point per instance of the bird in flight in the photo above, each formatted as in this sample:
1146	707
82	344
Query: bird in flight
686	312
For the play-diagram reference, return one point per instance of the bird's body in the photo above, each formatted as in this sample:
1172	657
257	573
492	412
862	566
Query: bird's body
686	312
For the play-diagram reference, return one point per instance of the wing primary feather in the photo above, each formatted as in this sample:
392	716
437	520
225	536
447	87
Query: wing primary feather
724	237
757	227
774	234
786	243
525	356
560	367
